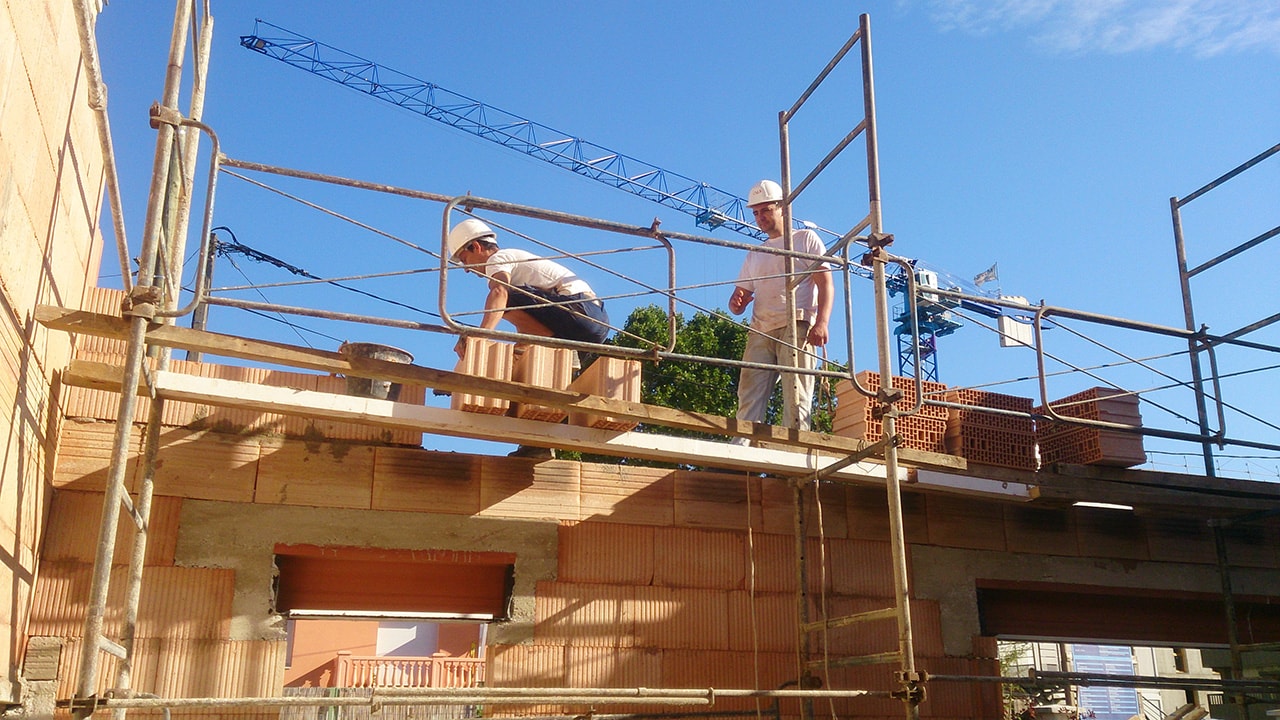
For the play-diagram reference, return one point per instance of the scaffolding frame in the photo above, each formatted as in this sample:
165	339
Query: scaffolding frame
911	687
153	298
1200	342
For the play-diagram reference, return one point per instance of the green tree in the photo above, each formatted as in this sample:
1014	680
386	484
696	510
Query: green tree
685	384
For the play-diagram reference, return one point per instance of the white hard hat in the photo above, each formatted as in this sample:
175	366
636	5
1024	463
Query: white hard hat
466	231
765	191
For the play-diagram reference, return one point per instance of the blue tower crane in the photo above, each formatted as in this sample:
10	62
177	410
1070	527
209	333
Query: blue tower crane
710	207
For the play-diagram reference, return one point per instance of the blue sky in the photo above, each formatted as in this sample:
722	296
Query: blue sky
1043	136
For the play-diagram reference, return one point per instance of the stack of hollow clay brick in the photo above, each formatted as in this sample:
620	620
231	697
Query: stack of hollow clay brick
990	438
547	367
925	430
1084	445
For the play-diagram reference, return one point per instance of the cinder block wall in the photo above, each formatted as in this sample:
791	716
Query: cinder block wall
51	190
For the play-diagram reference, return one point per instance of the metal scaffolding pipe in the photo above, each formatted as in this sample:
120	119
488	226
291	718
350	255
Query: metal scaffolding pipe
1056	679
189	147
897	537
523	210
491	696
94	641
86	18
257	306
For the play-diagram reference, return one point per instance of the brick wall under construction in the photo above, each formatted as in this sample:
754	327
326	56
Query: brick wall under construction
625	576
51	183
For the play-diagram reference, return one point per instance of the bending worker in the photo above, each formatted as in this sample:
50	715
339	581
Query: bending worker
538	296
763	280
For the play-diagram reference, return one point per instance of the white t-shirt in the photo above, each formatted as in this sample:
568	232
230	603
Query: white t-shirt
525	268
762	274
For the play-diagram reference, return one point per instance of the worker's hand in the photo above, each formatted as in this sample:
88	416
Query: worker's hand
739	300
818	334
460	347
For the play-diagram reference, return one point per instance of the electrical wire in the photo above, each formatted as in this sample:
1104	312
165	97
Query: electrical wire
224	249
751	596
281	319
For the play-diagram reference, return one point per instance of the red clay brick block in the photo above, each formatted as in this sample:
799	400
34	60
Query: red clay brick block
989	438
543	367
607	377
925	430
1077	444
483	358
871	381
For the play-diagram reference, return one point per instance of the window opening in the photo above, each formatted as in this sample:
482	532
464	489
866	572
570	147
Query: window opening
365	618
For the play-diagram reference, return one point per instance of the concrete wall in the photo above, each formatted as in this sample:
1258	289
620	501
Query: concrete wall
51	191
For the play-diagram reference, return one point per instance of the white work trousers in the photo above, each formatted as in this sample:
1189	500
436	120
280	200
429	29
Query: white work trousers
755	386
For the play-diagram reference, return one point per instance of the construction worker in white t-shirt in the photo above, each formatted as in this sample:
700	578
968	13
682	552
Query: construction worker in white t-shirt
763	281
538	296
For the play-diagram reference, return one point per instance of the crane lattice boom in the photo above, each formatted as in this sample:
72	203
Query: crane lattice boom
710	207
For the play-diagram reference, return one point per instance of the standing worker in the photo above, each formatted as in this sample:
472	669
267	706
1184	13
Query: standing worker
538	296
763	279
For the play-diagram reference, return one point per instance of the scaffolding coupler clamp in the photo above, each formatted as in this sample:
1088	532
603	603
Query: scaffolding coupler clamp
161	115
141	301
876	242
879	240
77	705
1201	338
887	397
913	689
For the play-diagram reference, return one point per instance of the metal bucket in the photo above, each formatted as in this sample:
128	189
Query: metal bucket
370	387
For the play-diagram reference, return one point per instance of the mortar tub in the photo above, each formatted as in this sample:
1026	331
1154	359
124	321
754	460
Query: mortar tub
372	387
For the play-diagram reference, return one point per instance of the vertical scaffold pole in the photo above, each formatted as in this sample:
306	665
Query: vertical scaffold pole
1194	348
901	586
911	682
146	295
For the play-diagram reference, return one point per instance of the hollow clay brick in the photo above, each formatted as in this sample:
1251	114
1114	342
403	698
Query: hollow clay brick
607	377
489	359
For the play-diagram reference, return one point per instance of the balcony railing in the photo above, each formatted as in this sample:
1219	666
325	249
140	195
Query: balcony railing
361	671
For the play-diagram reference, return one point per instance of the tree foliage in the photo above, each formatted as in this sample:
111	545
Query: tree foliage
685	384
